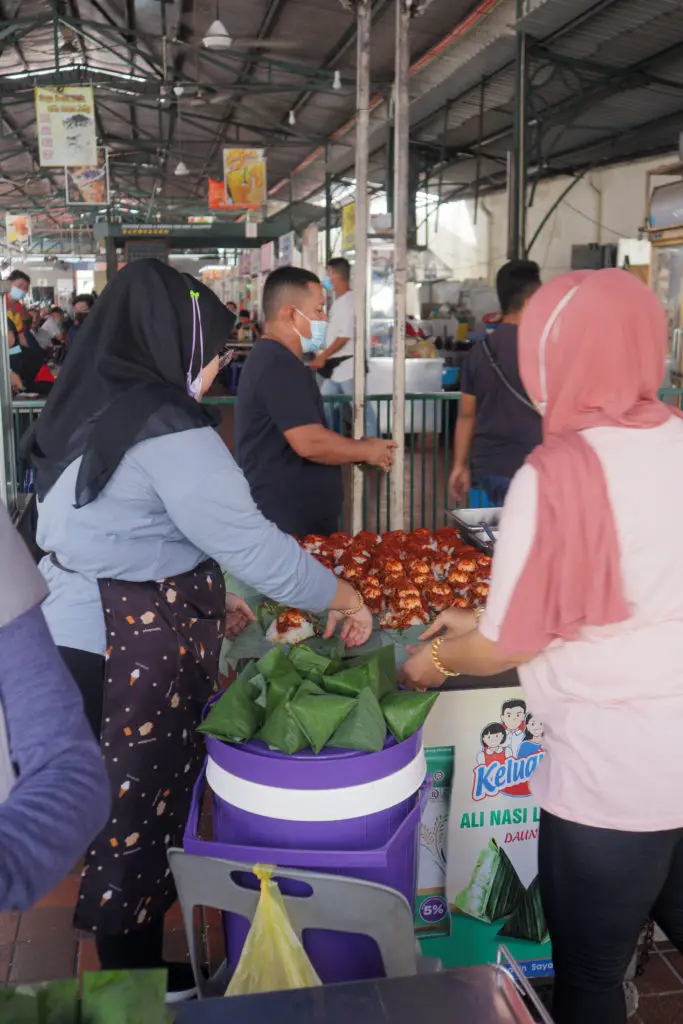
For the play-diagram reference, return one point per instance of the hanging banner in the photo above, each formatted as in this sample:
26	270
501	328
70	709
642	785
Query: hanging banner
348	227
309	248
286	250
217	200
492	869
88	186
244	175
65	119
18	227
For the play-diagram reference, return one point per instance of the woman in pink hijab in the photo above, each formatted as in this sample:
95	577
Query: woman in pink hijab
587	601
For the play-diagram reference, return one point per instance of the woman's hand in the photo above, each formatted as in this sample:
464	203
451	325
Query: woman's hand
420	672
454	622
238	616
356	629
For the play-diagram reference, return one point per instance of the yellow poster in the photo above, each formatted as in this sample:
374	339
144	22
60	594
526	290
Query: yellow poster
65	120
18	227
244	172
348	227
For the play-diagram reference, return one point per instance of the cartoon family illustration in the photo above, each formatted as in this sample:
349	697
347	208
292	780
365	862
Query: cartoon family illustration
518	735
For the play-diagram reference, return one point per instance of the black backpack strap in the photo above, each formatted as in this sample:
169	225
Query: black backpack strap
496	367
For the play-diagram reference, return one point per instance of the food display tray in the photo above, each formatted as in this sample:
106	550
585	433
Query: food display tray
469	522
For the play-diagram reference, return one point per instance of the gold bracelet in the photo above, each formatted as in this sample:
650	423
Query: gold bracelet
353	611
446	673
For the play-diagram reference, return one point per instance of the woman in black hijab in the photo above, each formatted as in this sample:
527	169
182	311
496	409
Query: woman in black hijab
141	507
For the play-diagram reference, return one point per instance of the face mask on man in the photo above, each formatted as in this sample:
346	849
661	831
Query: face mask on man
316	341
327	283
17	293
80	317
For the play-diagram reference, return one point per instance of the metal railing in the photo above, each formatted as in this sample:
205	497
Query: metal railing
429	423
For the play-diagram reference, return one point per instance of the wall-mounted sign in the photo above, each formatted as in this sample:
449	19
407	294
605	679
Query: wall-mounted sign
286	250
309	248
88	186
65	120
244	176
267	257
18	227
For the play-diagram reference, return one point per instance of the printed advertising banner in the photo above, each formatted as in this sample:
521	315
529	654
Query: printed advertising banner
489	851
88	186
65	118
18	226
348	227
244	174
492	872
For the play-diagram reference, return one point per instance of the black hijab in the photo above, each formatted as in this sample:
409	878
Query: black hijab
125	379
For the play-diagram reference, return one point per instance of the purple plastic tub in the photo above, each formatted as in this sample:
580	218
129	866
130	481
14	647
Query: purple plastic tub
339	812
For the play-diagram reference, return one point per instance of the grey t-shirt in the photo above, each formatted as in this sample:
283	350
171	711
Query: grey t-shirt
172	502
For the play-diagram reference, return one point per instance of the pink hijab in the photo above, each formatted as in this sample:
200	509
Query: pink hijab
592	350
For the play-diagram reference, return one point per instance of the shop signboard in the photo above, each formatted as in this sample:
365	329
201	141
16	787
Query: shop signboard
65	119
18	227
244	176
88	185
492	870
348	227
309	248
267	257
286	250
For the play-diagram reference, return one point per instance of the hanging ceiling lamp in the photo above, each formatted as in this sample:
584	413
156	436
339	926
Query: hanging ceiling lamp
218	37
336	81
181	170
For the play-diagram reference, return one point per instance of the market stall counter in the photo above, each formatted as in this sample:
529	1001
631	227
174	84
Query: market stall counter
486	995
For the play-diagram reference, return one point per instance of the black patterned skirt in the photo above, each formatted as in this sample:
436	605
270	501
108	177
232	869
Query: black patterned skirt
163	644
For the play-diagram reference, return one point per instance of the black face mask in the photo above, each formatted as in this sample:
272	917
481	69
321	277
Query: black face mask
80	317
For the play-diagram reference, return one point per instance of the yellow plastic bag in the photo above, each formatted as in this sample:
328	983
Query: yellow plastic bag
272	959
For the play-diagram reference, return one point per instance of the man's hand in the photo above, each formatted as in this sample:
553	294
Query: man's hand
459	482
378	452
16	381
238	615
318	362
356	629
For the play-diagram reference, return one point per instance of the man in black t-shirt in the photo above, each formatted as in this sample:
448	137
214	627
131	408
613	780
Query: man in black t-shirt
292	462
497	426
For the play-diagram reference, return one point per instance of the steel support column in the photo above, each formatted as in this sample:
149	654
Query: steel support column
517	169
401	161
112	263
8	472
328	218
361	273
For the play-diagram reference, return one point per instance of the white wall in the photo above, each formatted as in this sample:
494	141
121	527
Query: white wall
606	205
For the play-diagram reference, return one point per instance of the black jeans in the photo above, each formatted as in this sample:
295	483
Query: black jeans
599	886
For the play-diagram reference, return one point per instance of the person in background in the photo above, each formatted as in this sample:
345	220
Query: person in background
586	600
51	330
141	507
335	362
54	791
14	302
232	307
246	329
497	426
292	462
82	306
29	362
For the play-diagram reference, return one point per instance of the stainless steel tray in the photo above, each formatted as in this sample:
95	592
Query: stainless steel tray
472	523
